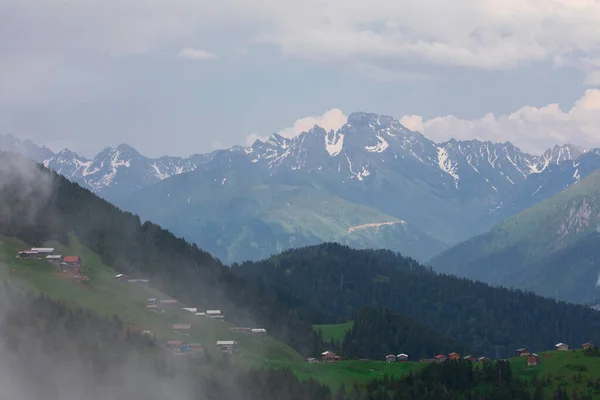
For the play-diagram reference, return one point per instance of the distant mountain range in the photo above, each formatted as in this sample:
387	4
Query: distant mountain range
372	183
550	248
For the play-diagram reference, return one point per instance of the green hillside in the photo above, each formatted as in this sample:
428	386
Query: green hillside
347	372
334	331
569	369
511	251
107	296
240	217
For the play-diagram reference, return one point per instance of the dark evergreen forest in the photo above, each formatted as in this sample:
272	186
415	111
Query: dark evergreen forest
50	351
289	292
378	332
38	205
493	322
460	380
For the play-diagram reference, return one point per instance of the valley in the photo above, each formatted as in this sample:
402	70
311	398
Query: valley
547	248
395	303
252	202
300	200
108	296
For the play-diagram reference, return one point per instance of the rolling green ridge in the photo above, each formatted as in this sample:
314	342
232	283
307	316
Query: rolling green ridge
109	297
490	321
39	206
243	217
569	369
286	294
515	252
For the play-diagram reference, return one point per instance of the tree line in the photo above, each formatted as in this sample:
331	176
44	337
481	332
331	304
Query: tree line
289	292
49	350
329	282
40	205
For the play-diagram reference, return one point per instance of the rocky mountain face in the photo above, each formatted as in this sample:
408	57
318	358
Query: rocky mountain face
555	177
113	173
549	248
443	192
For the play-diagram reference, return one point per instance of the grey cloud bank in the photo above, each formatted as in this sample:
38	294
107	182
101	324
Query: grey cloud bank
186	77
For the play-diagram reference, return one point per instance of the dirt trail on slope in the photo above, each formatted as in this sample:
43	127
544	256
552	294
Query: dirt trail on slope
373	225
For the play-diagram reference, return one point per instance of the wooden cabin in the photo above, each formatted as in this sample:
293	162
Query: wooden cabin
523	352
533	360
561	346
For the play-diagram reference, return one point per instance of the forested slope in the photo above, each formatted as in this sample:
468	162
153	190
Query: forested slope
38	205
378	332
337	280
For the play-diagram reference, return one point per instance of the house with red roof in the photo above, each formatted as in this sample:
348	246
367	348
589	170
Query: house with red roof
71	262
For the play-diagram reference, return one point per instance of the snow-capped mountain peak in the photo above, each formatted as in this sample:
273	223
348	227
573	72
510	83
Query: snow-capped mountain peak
368	148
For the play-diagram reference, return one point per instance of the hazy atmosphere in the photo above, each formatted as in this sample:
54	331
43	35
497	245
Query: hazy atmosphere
300	200
183	77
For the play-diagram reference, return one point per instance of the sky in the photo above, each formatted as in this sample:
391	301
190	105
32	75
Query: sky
180	77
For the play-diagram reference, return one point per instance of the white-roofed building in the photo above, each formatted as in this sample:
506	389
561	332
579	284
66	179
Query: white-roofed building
561	346
227	345
43	250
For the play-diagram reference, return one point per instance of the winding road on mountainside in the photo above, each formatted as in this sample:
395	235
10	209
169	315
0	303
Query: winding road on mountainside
373	225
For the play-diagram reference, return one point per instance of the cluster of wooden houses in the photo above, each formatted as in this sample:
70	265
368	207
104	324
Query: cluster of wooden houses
154	305
255	331
179	347
532	358
65	263
212	314
68	265
453	357
402	357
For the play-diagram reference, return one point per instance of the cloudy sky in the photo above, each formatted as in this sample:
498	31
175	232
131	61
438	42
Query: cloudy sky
187	76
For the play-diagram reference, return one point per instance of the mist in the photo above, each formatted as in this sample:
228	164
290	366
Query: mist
49	350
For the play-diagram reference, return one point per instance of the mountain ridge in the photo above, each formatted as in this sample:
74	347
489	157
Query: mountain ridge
84	170
445	192
534	240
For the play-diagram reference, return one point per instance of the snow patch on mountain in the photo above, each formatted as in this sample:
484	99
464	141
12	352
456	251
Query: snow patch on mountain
380	147
158	173
334	143
447	165
363	173
368	142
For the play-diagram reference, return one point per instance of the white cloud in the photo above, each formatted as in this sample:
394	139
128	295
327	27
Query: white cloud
367	34
196	54
333	119
488	35
532	129
253	137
